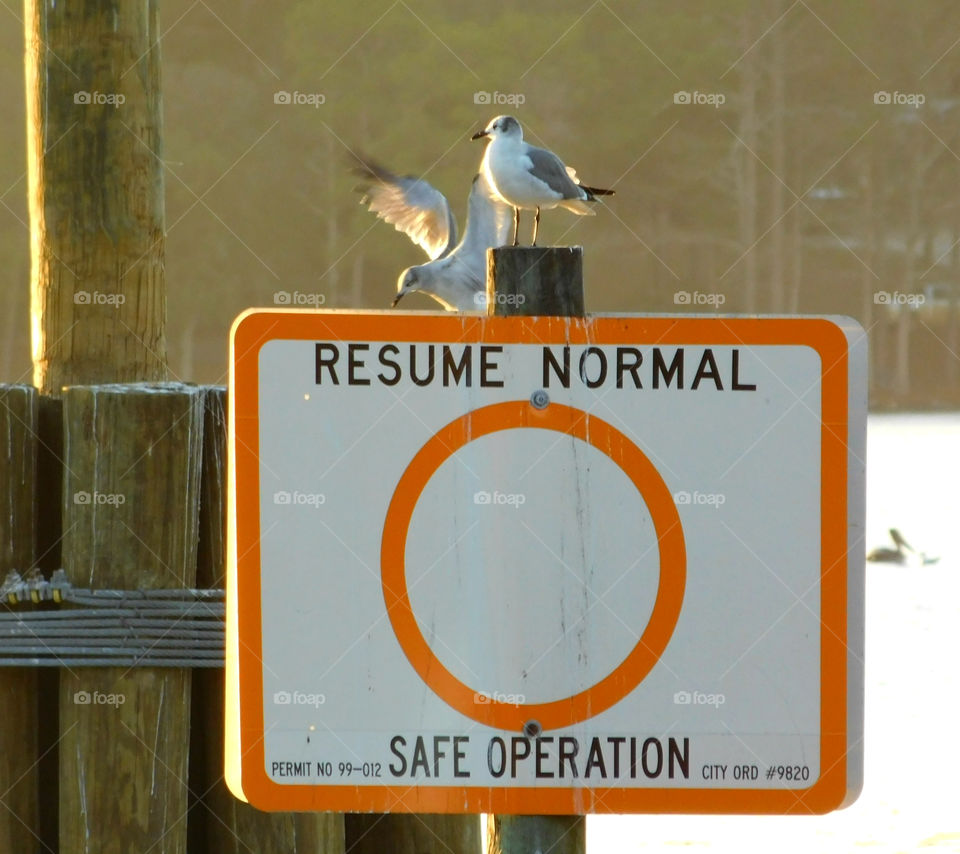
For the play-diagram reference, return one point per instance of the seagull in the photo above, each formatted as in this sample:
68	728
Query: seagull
899	555
530	178
456	274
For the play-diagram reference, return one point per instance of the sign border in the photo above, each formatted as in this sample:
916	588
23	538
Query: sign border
254	328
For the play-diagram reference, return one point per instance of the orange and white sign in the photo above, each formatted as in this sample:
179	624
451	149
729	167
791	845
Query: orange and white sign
545	565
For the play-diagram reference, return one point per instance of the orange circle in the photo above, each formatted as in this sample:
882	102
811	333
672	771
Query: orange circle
666	521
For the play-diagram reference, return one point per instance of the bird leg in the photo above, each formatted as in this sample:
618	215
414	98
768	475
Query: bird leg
536	227
516	226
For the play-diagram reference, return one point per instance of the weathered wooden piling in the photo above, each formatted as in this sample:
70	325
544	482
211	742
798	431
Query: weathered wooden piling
130	520
534	280
49	499
19	777
530	280
400	833
98	300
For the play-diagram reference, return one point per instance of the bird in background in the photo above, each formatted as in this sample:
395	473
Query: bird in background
531	178
899	555
456	274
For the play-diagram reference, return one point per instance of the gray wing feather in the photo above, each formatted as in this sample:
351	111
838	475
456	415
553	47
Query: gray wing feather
411	205
550	169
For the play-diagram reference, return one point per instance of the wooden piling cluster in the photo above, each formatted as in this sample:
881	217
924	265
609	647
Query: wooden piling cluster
133	755
19	782
123	486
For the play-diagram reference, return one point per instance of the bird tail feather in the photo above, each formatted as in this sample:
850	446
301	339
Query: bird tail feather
597	191
578	206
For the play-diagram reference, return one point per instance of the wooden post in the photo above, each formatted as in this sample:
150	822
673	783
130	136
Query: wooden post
94	145
131	495
19	711
531	280
399	833
534	280
219	823
524	834
520	281
50	484
49	499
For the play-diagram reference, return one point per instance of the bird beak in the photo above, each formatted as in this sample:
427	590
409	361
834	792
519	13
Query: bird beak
396	299
479	134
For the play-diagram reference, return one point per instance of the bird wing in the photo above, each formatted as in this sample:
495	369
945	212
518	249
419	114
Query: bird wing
410	205
897	537
489	218
547	167
458	281
593	191
489	221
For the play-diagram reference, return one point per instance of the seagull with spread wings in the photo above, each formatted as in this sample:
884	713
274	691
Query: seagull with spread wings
455	276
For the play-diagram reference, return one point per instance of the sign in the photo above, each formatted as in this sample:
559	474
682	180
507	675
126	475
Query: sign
546	565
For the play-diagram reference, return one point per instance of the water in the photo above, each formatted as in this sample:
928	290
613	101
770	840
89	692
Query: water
911	794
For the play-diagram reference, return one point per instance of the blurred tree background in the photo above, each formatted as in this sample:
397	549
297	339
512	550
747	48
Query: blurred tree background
783	156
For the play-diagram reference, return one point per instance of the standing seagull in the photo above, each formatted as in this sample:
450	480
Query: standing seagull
530	178
456	274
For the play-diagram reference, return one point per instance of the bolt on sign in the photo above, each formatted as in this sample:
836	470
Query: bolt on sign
546	565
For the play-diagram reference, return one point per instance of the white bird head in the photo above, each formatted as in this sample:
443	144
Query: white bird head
505	126
408	282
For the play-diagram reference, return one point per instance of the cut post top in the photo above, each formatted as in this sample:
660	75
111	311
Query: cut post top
530	280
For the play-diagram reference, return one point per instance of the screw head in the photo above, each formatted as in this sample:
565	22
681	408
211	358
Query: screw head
539	399
531	729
